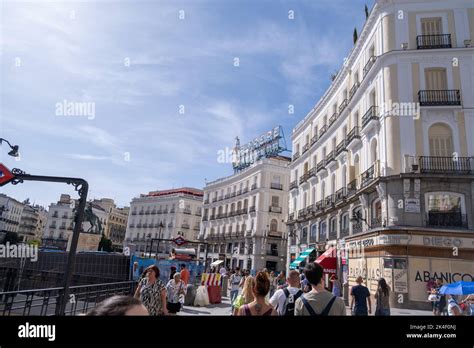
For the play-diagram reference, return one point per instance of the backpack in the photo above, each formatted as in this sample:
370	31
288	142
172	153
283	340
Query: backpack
290	302
311	311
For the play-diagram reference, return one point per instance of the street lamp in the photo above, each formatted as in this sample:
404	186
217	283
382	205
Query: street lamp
14	148
357	218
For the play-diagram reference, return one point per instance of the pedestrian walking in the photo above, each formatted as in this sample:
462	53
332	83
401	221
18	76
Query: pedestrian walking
284	299
246	296
119	305
234	284
336	286
382	298
184	274
151	292
318	301
175	290
360	302
259	307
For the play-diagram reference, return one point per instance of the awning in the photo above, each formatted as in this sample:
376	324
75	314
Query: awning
216	263
302	257
328	261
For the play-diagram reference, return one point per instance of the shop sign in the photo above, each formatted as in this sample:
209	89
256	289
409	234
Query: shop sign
412	205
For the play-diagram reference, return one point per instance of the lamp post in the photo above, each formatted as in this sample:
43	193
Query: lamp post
357	218
82	187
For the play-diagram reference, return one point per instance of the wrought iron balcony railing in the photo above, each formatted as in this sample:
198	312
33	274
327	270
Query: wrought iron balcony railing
304	178
356	227
321	166
439	97
332	119
306	147
274	209
367	176
296	156
252	209
376	222
312	172
446	165
341	147
352	187
354	89
371	114
293	185
369	65
433	41
330	157
343	106
322	130
340	195
353	134
314	139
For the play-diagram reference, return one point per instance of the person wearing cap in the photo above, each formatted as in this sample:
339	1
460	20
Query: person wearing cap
360	302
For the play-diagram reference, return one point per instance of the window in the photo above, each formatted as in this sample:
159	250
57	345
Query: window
322	231
431	26
313	233
444	202
436	79
274	225
304	235
275	201
440	140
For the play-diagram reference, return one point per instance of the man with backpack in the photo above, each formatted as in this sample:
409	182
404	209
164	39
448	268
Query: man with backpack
319	301
283	300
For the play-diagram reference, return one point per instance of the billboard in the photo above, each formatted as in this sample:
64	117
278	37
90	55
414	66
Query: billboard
268	144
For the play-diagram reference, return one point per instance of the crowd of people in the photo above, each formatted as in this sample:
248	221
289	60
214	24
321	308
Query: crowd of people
301	293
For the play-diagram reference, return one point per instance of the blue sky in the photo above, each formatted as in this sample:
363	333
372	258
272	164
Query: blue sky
78	52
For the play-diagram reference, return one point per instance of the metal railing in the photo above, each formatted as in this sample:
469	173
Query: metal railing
343	106
356	227
446	165
341	147
45	302
314	139
340	195
321	165
322	130
367	176
352	187
332	119
353	134
293	185
376	222
433	41
330	156
276	186
442	97
296	156
274	209
305	147
369	65
371	114
354	89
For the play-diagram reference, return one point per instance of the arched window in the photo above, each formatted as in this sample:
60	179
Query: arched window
333	228
374	155
376	214
440	140
313	233
322	231
273	225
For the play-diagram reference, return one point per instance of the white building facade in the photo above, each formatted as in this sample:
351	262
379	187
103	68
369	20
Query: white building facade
388	149
10	214
243	217
164	214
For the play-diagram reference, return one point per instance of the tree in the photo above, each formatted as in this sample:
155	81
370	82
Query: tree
105	244
366	11
355	35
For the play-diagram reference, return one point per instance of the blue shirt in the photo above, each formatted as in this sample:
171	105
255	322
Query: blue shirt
360	294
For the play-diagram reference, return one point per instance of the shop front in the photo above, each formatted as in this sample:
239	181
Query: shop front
408	259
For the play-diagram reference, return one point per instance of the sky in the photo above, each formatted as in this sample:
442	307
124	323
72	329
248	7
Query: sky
136	96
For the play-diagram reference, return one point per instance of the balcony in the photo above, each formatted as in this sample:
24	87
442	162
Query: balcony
55	215
293	185
306	147
205	218
329	157
329	201
187	211
367	177
351	188
197	213
322	130
446	165
134	213
65	216
131	225
139	225
341	147
221	215
254	187
212	217
312	173
302	214
321	166
238	193
245	190
332	119
314	139
276	186
424	42
273	209
272	252
185	226
332	234
320	205
353	135
291	217
220	198
370	115
304	178
62	227
196	228
252	209
356	227
214	200
344	231
446	219
343	106
242	211
354	89
376	222
340	195
369	65
439	97
206	201
296	156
